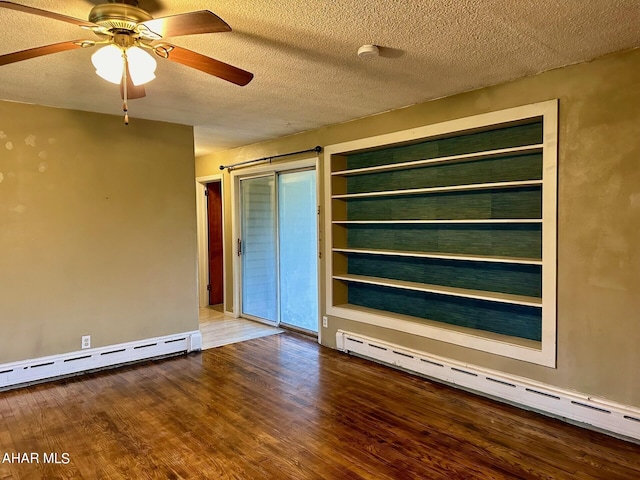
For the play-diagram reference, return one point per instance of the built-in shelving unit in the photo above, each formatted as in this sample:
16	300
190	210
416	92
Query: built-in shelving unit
449	231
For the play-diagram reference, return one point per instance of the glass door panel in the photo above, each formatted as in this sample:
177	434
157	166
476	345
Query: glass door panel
298	249
259	254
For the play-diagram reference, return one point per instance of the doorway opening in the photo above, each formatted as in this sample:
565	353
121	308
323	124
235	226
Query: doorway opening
210	214
215	286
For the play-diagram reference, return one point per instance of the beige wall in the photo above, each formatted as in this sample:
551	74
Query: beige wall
599	218
97	230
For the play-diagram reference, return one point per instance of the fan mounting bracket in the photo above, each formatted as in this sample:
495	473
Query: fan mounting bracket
118	17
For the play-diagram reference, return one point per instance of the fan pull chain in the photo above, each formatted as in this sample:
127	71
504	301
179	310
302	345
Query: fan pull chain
125	107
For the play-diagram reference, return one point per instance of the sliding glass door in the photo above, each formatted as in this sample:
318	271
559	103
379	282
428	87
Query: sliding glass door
279	239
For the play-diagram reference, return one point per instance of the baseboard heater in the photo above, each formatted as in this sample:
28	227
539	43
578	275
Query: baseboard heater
16	374
601	414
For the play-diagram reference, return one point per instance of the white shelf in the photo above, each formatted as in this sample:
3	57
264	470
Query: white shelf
441	290
453	188
419	322
443	256
427	222
435	161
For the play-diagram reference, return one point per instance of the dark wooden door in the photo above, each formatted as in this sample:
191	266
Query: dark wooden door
214	215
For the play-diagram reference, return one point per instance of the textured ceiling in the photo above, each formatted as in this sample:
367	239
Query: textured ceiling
303	55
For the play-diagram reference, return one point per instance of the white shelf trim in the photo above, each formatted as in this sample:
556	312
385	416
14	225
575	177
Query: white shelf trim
442	256
442	290
470	221
503	152
453	188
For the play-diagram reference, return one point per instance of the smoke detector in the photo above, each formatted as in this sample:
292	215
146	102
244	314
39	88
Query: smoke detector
368	51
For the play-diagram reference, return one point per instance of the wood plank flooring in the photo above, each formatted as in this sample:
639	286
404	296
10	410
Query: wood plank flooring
218	328
282	407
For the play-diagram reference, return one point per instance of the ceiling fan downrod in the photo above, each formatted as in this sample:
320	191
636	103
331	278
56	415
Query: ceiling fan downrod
125	107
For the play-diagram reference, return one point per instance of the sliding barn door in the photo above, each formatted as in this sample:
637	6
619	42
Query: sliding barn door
279	239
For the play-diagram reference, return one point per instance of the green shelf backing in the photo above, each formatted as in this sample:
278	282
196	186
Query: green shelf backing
505	169
493	277
499	138
506	240
513	203
512	320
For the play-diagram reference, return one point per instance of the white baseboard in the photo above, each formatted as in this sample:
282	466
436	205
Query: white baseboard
195	341
44	368
611	417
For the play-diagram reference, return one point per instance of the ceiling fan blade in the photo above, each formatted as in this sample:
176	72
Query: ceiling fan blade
47	14
207	64
133	91
202	21
40	51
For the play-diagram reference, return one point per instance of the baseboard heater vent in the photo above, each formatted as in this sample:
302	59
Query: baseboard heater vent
39	369
617	419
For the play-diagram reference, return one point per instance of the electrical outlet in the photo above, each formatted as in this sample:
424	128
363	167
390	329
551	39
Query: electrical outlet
325	322
86	341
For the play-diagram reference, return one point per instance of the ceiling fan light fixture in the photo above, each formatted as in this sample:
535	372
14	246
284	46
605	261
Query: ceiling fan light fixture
109	63
142	66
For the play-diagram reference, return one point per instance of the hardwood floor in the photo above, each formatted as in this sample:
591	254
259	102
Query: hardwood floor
282	407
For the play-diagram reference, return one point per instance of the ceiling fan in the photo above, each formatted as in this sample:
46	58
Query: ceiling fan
130	38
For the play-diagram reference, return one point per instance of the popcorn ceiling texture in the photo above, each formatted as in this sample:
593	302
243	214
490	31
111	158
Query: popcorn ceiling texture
303	55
